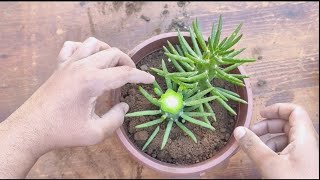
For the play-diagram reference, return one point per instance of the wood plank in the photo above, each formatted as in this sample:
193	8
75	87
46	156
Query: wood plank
283	36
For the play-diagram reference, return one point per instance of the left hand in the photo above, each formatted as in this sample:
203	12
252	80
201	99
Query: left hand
61	112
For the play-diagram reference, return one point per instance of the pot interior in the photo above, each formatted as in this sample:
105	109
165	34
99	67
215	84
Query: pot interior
243	110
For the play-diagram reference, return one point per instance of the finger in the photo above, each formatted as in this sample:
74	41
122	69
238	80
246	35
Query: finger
252	145
278	143
110	58
68	48
270	126
291	147
116	77
113	119
88	47
284	111
299	120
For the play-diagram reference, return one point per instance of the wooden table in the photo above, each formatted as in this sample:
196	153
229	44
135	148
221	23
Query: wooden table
283	36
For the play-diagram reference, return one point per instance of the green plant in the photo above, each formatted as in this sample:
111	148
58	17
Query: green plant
187	95
207	60
176	106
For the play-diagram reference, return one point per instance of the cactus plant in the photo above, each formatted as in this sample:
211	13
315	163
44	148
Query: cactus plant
207	60
176	106
189	89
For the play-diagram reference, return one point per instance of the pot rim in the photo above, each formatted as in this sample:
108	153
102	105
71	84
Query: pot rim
200	167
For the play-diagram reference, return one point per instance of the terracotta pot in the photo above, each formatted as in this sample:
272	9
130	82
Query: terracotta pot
244	112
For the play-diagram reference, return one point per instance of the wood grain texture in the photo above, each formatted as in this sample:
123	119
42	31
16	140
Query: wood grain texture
283	36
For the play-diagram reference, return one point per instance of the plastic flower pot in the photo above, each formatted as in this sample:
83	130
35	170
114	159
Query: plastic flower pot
244	112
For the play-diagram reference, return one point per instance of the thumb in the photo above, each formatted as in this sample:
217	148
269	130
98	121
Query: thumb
253	146
113	119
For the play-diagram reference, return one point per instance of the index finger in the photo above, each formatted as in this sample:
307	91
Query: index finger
299	120
270	126
69	47
278	111
109	58
287	111
116	77
88	47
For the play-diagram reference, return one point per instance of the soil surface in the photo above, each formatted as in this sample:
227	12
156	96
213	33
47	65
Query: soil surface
180	149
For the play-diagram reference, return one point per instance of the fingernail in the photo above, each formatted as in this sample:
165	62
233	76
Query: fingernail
152	78
126	107
239	132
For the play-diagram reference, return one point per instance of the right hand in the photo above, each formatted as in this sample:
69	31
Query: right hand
298	148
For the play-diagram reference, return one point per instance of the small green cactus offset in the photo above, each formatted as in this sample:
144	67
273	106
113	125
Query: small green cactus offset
176	106
189	89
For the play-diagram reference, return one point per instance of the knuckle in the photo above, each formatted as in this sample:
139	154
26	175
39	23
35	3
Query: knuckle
92	39
279	105
116	50
86	52
126	69
105	52
67	43
299	108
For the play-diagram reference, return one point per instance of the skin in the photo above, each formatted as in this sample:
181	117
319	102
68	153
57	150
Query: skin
61	114
292	154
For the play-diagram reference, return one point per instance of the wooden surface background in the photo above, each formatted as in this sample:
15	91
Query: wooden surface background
283	36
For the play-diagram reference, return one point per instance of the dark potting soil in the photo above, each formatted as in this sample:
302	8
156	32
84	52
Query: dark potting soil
180	149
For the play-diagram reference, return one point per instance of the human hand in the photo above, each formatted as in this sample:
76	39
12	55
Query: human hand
298	147
61	112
